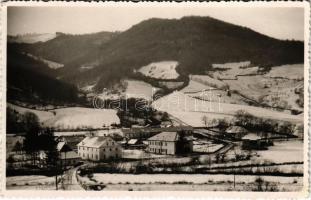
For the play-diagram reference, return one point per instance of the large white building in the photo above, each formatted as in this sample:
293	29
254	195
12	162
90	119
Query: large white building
169	143
99	148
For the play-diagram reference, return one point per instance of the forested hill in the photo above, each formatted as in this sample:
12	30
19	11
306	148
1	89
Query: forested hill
67	48
195	42
32	81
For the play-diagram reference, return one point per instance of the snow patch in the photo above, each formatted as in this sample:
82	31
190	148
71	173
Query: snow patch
295	72
160	70
51	64
32	38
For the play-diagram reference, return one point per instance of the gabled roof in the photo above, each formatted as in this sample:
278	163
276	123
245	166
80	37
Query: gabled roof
132	141
251	136
166	136
62	146
96	142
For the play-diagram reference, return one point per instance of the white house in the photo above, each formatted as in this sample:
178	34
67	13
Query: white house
99	148
169	143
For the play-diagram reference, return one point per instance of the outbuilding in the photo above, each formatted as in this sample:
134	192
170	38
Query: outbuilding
236	132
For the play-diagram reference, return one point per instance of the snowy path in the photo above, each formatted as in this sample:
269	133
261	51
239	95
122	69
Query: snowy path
70	181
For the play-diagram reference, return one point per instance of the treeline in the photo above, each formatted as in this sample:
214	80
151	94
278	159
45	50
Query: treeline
37	140
253	123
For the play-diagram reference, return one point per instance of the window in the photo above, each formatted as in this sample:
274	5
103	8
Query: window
116	149
96	157
110	149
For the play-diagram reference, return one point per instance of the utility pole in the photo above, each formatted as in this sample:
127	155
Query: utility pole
56	181
234	179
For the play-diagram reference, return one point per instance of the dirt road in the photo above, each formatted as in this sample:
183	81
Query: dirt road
70	180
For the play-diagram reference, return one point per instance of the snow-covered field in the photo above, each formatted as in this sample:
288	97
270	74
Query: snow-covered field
287	71
160	70
185	108
43	115
283	151
232	70
140	89
33	38
74	117
195	86
232	65
209	81
30	182
127	88
193	182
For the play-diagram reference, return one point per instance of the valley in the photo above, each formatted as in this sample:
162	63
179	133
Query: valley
200	106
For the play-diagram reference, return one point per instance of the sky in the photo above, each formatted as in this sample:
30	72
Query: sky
281	23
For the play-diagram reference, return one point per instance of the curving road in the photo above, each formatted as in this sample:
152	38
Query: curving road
70	181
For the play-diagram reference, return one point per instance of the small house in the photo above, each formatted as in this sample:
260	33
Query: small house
169	143
252	141
236	132
99	148
135	144
66	156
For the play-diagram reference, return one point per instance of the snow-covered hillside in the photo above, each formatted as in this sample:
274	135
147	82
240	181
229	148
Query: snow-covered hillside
51	64
140	89
191	110
32	38
287	71
160	70
73	117
127	88
232	70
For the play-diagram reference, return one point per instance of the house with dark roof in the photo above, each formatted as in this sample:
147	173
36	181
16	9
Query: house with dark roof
253	141
66	156
170	143
99	148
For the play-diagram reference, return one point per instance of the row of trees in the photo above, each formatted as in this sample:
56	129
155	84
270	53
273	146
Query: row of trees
36	139
253	123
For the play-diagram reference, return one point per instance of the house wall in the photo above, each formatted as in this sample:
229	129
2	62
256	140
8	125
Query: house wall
88	153
162	147
110	151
